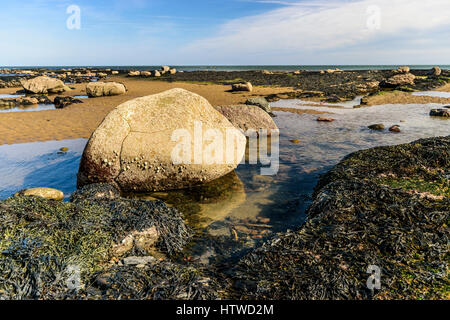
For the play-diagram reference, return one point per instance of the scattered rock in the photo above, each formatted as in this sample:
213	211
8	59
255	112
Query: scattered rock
242	87
404	69
62	102
260	102
99	89
395	128
157	73
324	119
64	149
296	141
445	113
133	147
134	73
377	127
436	71
47	193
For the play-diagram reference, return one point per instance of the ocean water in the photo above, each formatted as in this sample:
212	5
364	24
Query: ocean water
241	67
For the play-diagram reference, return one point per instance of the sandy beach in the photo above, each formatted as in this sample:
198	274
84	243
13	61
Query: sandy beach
80	120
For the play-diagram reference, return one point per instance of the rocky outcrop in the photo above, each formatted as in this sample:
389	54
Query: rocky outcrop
249	117
99	89
151	143
44	85
400	80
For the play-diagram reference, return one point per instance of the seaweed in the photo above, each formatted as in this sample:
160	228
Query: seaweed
41	237
356	222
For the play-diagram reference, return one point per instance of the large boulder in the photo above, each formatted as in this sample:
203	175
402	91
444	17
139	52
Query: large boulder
161	142
247	117
44	85
99	89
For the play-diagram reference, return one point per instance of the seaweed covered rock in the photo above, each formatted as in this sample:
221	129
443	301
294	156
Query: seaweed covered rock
41	237
387	208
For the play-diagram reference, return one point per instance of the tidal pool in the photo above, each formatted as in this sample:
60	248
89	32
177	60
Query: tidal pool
34	107
240	209
439	94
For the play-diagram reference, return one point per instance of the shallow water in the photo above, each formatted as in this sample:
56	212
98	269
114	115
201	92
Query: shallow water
34	107
243	207
39	164
2	96
81	97
439	94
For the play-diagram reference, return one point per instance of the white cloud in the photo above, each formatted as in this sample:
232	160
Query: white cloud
305	33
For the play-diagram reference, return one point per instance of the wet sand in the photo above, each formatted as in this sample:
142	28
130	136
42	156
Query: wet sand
80	120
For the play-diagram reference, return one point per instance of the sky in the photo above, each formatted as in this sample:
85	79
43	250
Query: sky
224	32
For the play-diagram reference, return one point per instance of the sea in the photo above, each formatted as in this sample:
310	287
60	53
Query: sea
241	67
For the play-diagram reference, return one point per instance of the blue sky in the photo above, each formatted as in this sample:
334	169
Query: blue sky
227	32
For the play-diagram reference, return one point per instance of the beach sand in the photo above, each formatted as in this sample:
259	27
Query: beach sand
80	120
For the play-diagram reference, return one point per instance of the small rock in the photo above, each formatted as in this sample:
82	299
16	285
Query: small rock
440	113
323	119
296	141
47	193
242	87
64	149
395	128
377	127
138	261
